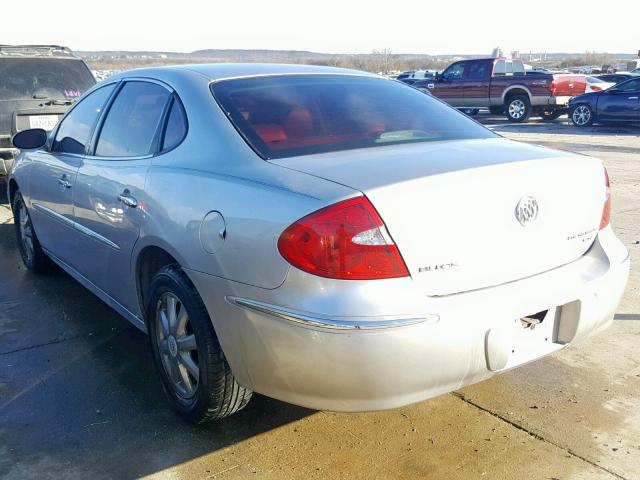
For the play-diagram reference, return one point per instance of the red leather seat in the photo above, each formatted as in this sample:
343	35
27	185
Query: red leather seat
298	124
270	132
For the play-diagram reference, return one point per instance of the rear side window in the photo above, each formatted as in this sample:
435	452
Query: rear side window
75	130
133	120
477	71
500	68
285	116
176	126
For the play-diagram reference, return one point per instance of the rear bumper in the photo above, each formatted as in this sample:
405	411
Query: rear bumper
560	102
462	338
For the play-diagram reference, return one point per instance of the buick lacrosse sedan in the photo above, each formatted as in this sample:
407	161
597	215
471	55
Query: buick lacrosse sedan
322	236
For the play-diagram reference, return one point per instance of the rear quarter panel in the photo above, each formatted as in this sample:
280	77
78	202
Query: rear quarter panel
214	170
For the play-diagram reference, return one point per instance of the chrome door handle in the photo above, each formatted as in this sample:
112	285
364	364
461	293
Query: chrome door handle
126	198
64	182
633	98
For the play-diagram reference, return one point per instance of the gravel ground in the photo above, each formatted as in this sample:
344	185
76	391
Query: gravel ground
79	398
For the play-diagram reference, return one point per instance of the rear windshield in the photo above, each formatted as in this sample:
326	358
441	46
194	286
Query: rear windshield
285	116
43	78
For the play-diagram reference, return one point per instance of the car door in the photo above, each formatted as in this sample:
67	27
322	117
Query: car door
109	201
620	103
475	84
53	175
449	86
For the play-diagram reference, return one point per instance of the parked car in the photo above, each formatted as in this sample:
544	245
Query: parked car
618	104
290	230
636	71
595	84
415	75
616	77
37	85
501	85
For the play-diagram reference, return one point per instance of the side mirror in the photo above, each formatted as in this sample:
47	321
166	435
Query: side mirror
30	139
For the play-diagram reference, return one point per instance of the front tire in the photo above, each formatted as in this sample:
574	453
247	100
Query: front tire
194	371
581	115
518	108
31	252
472	112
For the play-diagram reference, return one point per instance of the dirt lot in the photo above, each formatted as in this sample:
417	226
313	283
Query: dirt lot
79	397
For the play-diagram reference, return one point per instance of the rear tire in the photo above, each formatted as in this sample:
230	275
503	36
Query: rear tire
194	371
581	115
472	112
518	108
31	252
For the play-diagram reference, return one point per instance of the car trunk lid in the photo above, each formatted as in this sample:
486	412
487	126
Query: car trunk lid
451	207
566	85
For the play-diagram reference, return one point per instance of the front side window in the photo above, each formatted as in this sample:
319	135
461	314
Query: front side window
454	72
133	120
74	132
632	86
289	115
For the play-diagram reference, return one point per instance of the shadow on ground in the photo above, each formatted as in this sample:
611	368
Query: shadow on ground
79	397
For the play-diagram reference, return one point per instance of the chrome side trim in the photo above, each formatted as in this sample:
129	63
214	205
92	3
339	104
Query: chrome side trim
330	323
47	211
95	236
76	226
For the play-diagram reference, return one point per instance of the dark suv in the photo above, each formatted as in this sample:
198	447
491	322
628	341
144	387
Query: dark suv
38	83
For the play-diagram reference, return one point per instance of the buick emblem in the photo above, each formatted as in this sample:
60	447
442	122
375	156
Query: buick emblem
526	210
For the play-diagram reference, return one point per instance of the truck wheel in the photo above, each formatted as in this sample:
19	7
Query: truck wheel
518	108
581	115
194	371
496	110
470	111
550	115
31	252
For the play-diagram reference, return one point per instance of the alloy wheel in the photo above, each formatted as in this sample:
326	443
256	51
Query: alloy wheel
177	344
517	109
581	115
26	232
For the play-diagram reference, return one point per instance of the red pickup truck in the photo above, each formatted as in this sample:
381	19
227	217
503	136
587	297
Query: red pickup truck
503	86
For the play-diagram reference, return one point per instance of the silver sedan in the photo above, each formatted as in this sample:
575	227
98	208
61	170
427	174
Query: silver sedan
322	236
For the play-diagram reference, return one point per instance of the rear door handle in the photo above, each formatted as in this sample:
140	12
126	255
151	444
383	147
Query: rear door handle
64	182
633	98
126	198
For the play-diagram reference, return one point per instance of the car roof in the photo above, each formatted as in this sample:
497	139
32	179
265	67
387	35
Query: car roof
222	71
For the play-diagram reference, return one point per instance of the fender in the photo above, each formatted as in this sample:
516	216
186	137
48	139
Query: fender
516	87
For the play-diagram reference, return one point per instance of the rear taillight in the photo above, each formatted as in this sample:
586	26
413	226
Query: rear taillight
552	87
606	210
346	240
